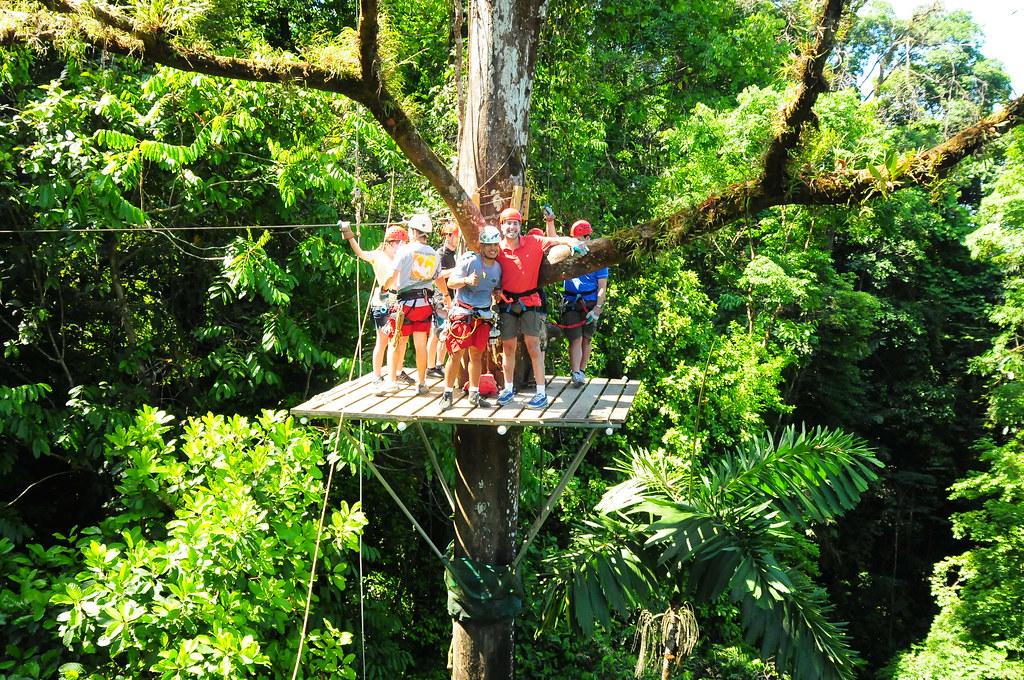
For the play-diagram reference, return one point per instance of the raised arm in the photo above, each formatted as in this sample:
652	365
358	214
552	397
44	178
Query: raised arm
350	236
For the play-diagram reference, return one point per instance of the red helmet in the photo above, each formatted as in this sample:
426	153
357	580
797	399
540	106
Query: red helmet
510	214
580	228
396	233
535	232
450	228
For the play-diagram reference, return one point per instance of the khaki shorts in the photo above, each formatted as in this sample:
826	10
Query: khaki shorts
528	323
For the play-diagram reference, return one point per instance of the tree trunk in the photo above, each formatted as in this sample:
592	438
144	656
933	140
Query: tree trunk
486	522
493	135
502	56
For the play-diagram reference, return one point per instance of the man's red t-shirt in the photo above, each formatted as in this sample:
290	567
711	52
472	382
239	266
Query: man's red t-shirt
520	266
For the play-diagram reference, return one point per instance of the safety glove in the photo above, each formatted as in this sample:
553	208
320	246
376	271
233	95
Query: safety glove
593	315
346	230
549	214
580	247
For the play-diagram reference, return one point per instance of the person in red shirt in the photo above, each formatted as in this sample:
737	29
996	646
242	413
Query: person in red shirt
520	258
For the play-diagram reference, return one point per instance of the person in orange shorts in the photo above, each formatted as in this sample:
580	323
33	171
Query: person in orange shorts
474	279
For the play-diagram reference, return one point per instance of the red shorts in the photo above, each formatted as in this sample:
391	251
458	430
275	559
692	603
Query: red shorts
417	320
465	332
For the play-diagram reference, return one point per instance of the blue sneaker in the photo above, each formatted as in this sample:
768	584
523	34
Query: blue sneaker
538	401
505	397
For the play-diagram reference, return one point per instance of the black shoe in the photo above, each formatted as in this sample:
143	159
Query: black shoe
404	379
436	372
446	401
478	401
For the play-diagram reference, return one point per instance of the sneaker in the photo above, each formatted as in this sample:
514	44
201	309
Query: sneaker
436	372
377	382
538	401
446	401
385	388
504	397
578	379
476	400
422	389
404	379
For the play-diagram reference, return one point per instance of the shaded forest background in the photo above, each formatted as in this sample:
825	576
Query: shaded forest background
172	280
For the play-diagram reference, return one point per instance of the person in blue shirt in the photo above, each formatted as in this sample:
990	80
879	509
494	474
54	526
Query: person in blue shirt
582	304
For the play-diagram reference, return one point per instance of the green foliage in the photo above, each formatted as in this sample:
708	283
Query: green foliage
611	78
23	419
977	632
861	316
203	569
730	529
927	67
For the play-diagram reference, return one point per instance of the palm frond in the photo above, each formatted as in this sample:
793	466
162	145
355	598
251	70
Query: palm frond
796	633
734	554
721	531
605	571
647	474
814	476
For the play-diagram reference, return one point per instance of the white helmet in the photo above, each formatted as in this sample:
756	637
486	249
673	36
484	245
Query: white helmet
421	223
490	234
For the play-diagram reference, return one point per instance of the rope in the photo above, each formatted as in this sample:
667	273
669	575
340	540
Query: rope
576	325
451	328
362	584
358	199
356	359
316	556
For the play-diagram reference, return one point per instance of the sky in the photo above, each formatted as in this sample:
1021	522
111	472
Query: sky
1002	22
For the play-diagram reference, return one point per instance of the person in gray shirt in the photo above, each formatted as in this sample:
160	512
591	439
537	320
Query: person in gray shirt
474	278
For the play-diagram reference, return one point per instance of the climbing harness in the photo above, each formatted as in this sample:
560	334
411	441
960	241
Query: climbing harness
570	301
476	314
511	300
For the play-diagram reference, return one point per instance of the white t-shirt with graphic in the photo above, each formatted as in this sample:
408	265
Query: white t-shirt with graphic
417	265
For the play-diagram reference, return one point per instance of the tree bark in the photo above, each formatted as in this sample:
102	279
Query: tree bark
502	56
486	530
494	130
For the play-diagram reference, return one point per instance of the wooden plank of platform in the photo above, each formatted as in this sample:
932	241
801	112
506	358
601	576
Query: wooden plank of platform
592	391
607	402
599	403
625	402
336	392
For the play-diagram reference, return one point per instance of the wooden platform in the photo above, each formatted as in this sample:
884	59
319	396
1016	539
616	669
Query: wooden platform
601	402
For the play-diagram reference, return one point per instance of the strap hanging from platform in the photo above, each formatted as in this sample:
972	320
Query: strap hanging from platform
483	593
